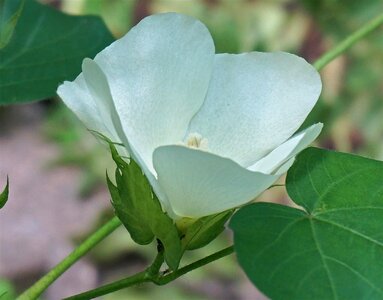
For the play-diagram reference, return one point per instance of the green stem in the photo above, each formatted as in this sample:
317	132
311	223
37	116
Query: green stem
155	267
40	286
348	42
162	280
151	274
144	276
112	287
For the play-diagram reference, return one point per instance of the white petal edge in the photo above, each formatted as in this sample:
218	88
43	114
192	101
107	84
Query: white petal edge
285	167
98	88
77	98
199	183
255	102
271	162
158	74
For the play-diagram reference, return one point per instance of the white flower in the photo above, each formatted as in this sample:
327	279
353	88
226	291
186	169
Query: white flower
210	131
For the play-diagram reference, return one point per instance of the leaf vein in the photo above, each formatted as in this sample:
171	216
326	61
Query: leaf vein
334	184
351	231
279	237
347	209
25	50
287	260
355	272
322	256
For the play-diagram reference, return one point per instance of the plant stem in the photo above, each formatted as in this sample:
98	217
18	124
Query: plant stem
348	42
112	287
141	277
162	280
151	274
41	285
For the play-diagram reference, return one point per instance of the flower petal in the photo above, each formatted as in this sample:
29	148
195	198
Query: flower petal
89	97
285	167
287	150
76	96
158	73
199	183
255	102
99	89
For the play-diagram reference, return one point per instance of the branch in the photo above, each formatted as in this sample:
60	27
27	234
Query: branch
151	274
348	42
144	276
162	280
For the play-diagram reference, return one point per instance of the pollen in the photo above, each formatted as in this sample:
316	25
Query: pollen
195	140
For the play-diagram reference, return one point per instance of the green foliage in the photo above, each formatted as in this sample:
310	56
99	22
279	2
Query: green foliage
118	15
45	48
7	291
140	211
8	23
342	17
352	96
123	207
204	230
4	195
333	249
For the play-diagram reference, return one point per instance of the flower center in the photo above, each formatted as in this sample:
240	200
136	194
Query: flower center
195	140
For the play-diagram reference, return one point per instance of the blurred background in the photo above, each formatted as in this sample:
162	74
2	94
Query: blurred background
57	169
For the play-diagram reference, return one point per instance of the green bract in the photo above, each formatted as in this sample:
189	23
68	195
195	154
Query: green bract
140	211
210	131
4	195
204	230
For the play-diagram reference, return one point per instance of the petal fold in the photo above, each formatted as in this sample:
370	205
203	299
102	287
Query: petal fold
255	102
98	88
276	158
199	183
80	100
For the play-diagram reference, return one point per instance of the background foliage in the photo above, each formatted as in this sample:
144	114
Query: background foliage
39	52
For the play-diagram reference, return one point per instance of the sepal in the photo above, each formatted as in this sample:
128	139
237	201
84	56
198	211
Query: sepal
202	231
139	209
4	194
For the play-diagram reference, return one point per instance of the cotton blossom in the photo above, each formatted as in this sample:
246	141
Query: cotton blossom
210	131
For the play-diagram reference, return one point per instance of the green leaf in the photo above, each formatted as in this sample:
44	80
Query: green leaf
140	211
140	233
131	203
8	24
165	230
4	194
204	230
45	48
7	291
334	249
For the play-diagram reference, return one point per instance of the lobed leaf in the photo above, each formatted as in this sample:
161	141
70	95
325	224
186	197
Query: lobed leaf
334	249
